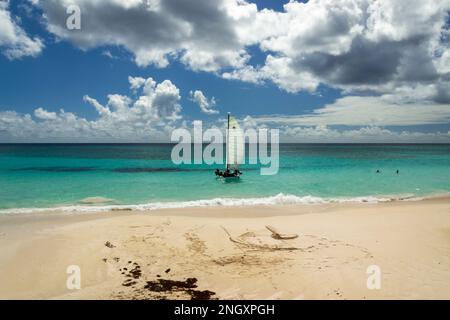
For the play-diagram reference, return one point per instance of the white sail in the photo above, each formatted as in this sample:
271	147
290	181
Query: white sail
235	144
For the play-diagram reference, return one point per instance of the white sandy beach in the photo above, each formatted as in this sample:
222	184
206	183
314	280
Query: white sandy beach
409	241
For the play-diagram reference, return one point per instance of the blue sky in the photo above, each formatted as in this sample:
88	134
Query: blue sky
63	74
293	91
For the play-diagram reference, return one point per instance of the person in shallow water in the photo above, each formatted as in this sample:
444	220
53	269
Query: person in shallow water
378	171
398	172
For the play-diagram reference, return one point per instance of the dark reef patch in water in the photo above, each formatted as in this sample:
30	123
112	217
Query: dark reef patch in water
120	170
168	169
57	169
140	170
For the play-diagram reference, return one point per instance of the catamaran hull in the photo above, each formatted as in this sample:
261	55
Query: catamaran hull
229	179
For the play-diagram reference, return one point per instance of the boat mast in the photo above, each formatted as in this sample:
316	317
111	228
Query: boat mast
228	140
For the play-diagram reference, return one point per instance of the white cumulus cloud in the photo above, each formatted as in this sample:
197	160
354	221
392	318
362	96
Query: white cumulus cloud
200	33
14	41
367	134
206	105
43	114
350	44
368	111
149	116
354	45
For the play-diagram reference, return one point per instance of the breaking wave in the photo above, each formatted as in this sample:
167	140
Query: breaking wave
279	199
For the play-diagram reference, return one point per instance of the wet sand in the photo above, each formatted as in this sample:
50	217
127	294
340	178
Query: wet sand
227	253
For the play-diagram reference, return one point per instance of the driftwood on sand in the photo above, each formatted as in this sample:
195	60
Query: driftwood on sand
267	247
280	236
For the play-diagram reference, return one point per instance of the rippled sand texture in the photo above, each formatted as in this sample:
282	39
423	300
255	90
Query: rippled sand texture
227	253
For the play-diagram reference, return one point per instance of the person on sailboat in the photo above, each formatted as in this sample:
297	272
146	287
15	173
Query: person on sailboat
235	150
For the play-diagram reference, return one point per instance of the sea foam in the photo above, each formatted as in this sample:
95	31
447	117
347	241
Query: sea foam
279	199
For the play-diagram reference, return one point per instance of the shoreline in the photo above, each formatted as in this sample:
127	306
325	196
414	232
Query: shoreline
410	241
276	200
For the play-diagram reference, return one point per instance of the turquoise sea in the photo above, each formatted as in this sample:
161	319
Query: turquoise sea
34	176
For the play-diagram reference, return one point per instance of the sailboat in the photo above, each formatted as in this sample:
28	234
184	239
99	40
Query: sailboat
234	150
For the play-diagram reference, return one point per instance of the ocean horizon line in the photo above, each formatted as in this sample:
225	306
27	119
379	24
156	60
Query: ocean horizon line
175	143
